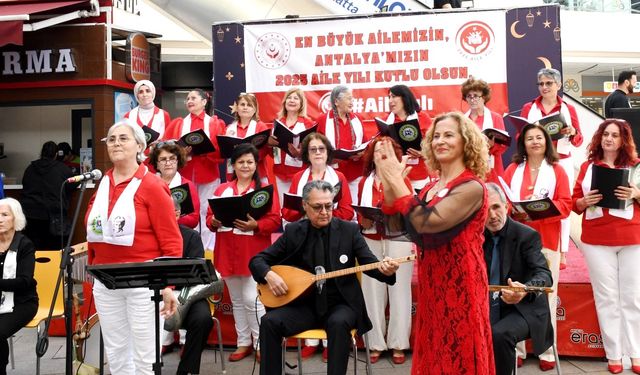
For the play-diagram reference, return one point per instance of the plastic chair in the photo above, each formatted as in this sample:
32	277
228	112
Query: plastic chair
321	334
213	300
45	273
555	354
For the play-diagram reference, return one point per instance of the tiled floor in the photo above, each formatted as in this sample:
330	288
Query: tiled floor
53	362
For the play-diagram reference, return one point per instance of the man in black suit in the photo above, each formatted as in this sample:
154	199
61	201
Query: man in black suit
318	243
513	255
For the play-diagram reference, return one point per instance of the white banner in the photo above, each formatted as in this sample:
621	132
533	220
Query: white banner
417	50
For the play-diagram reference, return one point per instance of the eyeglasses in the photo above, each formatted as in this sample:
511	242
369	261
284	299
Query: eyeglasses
317	150
169	160
546	83
110	141
472	97
317	208
170	142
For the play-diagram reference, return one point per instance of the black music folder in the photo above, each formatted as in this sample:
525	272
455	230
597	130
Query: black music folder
371	213
183	196
606	180
228	209
344	154
406	133
294	202
498	136
286	136
536	209
198	141
228	143
552	123
150	135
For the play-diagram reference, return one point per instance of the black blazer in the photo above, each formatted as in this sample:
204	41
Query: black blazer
523	261
346	242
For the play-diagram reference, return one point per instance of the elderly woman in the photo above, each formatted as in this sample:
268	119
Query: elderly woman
167	157
204	169
477	94
377	294
549	84
404	106
236	246
535	173
316	151
344	130
446	222
147	113
611	244
293	115
19	301
129	219
247	123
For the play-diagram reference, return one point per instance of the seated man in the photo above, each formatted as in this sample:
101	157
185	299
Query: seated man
338	307
197	320
513	255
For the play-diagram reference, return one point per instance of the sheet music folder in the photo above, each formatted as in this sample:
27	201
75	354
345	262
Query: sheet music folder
606	180
158	273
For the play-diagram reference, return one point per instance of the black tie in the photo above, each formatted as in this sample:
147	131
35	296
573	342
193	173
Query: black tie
494	279
321	295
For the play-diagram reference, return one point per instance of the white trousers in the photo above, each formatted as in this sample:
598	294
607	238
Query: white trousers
615	278
128	327
398	296
553	261
246	314
565	224
205	192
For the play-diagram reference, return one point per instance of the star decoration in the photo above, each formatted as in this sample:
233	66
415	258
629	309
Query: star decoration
233	108
227	29
547	24
238	39
229	76
538	13
242	65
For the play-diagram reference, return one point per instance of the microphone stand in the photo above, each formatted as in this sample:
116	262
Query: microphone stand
66	263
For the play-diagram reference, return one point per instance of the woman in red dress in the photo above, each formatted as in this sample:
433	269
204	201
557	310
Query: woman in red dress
453	333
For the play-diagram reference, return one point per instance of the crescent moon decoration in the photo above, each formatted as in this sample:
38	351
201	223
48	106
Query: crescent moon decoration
514	33
545	61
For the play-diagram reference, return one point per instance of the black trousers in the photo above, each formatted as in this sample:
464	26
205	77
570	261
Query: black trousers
198	324
11	323
507	332
286	321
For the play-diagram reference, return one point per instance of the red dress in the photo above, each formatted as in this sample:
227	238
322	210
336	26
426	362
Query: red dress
453	333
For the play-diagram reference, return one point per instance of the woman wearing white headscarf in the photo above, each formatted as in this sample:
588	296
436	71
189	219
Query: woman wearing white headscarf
147	113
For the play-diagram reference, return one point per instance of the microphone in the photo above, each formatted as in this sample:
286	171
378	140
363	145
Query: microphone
93	175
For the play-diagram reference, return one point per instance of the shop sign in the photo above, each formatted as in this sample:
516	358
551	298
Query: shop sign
138	65
38	61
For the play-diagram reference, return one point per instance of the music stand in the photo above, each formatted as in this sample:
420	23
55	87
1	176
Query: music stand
155	275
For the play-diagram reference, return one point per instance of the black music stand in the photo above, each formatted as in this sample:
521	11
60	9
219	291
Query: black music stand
156	276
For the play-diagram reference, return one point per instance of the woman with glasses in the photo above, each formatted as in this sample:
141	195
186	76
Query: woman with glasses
147	113
127	222
377	294
204	169
293	115
316	152
611	244
549	84
477	93
236	246
446	221
344	129
535	173
404	106
247	123
167	157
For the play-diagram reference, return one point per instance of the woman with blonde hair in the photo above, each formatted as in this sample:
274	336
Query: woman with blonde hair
446	221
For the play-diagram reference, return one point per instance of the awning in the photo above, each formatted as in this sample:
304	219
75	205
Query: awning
13	15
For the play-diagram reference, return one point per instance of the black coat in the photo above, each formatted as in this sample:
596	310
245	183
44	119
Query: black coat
523	261
345	241
41	188
24	284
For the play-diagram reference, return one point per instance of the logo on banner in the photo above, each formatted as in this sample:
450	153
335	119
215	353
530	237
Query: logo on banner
591	339
325	102
272	50
475	40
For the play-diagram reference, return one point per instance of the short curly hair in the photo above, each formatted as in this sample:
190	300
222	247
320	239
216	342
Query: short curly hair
473	84
170	146
475	149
